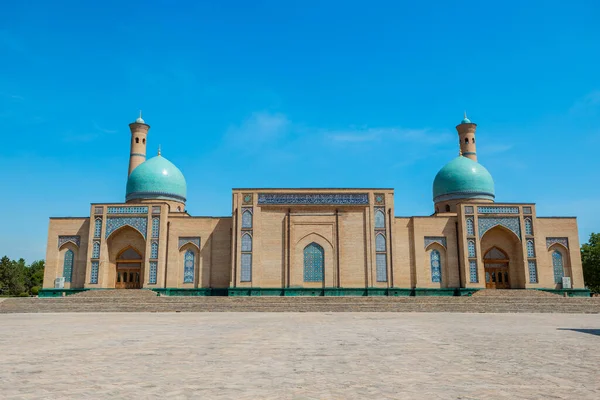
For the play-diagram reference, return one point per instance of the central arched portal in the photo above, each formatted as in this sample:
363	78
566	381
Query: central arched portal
129	269
496	264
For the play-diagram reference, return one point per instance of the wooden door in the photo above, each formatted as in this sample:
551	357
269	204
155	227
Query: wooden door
497	278
128	278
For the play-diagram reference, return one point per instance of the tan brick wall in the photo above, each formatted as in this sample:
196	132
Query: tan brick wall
55	256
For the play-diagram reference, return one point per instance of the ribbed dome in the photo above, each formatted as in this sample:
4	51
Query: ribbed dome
156	178
463	178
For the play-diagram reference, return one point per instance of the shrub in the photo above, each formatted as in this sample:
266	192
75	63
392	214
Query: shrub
24	294
35	290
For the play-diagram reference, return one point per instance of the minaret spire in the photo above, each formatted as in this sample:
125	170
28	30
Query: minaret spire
159	149
137	151
466	136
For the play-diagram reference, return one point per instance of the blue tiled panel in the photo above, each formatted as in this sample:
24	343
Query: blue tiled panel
94	274
185	240
471	248
436	269
246	218
530	248
68	265
246	242
246	270
470	226
528	226
532	271
380	242
314	260
487	223
127	210
497	210
379	218
64	239
313	199
114	223
557	264
96	249
155	227
188	267
473	278
553	240
152	275
468	209
98	228
381	267
154	250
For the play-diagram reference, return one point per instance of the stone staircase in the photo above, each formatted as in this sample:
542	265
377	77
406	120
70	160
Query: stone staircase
147	301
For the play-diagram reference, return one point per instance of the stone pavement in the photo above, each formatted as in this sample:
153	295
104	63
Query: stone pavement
299	356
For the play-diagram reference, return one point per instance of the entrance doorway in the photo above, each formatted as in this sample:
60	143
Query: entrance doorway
129	269
496	269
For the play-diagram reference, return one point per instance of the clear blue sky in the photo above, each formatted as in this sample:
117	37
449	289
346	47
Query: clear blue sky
295	94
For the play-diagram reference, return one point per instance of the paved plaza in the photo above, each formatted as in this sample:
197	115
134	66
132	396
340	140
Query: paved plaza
299	356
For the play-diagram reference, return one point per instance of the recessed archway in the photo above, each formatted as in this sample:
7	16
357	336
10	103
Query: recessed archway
502	254
126	255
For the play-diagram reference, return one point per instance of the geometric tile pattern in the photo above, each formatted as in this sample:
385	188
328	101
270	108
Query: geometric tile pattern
247	198
96	249
497	210
530	248
532	271
68	265
314	199
471	248
436	270
155	226
152	275
511	223
380	243
468	209
381	267
470	226
154	250
558	266
246	242
246	217
138	223
188	267
94	274
98	210
314	258
560	240
473	271
379	218
379	198
246	267
528	226
195	240
435	239
98	228
127	210
64	239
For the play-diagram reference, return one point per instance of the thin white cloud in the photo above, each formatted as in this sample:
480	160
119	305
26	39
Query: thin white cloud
103	130
589	102
363	135
259	128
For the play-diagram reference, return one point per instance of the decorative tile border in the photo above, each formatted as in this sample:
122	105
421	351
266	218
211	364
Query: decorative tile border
138	223
497	210
195	240
94	272
441	240
487	223
351	199
127	210
247	198
64	239
379	199
560	240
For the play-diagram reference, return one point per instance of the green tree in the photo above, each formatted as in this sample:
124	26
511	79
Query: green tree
590	257
12	276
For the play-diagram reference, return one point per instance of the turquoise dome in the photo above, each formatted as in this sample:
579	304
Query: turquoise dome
156	178
463	178
466	121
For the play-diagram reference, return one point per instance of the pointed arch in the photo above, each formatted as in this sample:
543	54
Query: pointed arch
247	218
315	234
314	260
129	253
96	249
154	250
495	253
380	242
379	219
246	242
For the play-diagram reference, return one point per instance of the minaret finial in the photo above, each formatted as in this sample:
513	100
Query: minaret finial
141	113
464	116
159	149
139	119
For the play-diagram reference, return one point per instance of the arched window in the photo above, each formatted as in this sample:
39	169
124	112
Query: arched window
530	248
144	141
470	227
447	207
466	140
436	270
528	226
97	227
154	250
471	248
473	140
379	219
155	227
96	250
380	242
68	265
558	266
314	260
247	219
188	267
246	242
137	139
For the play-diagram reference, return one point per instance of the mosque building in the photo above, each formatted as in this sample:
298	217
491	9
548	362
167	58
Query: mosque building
344	241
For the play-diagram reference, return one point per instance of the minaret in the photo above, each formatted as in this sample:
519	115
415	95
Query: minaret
139	131
466	134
